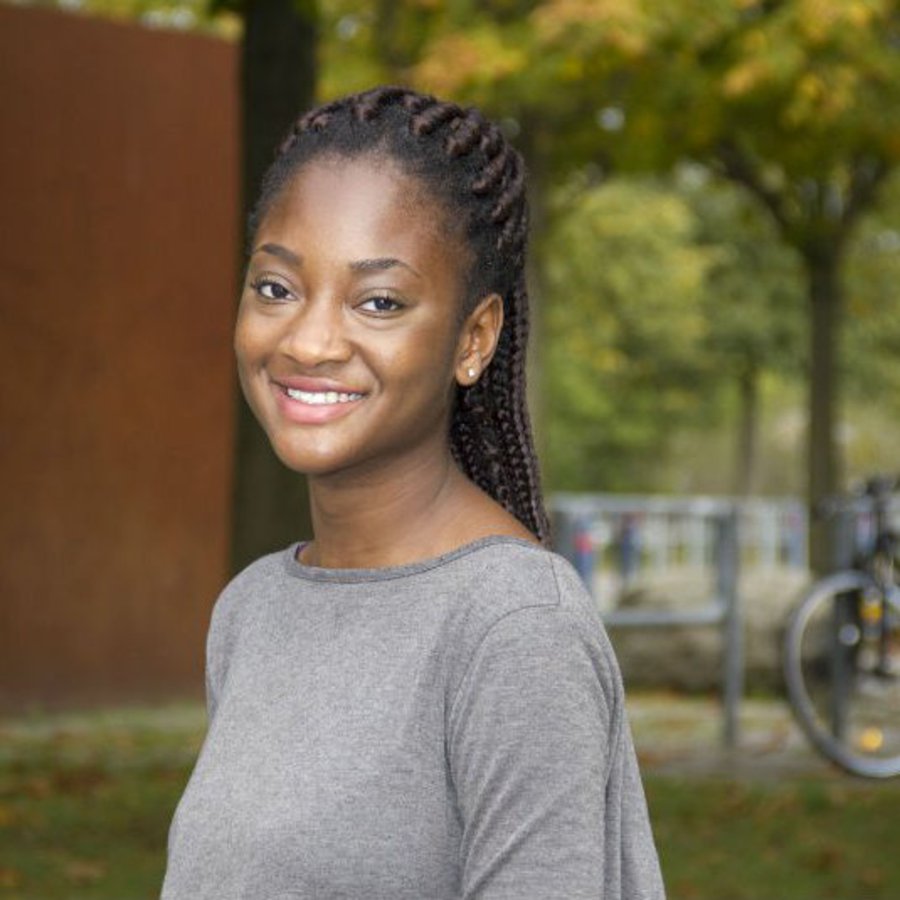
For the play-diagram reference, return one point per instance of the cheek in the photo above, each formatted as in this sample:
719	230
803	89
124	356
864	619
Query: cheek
424	364
251	342
248	339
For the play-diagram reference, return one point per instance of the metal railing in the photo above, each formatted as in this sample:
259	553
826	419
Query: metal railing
616	542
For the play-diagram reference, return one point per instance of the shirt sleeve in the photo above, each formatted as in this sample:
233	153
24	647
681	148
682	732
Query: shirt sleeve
218	641
541	758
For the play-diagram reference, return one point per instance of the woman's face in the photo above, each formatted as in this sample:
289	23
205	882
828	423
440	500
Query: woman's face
347	335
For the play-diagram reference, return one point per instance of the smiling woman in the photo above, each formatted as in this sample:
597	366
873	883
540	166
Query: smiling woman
350	317
421	702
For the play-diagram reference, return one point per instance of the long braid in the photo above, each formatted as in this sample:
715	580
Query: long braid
473	169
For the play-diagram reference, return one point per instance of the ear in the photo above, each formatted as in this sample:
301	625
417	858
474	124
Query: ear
478	339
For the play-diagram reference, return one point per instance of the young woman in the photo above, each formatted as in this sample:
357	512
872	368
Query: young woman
420	703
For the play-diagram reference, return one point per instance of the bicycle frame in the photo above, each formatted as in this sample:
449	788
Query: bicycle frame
864	642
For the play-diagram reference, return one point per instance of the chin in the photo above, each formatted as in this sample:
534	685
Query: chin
311	461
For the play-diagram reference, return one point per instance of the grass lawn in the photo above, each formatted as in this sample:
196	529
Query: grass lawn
772	840
85	804
85	801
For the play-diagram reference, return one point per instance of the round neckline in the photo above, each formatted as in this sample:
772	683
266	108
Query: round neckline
319	573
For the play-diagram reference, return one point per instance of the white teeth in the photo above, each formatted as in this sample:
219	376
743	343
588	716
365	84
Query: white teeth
321	397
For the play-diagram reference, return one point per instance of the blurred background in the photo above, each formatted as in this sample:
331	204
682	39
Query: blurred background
715	273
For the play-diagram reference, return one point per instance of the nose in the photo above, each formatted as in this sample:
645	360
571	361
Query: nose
316	333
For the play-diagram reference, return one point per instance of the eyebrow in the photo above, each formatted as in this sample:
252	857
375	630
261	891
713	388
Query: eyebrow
281	253
381	264
378	264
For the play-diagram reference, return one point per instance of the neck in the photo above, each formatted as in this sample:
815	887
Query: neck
409	509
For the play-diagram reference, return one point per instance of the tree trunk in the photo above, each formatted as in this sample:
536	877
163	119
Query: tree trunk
527	144
823	455
748	428
271	506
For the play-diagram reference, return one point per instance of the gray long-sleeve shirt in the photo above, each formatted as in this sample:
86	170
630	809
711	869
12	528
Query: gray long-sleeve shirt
451	728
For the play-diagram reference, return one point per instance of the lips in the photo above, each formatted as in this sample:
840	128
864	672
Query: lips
314	401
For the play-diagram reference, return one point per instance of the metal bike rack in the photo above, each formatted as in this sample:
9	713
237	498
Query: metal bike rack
721	610
842	553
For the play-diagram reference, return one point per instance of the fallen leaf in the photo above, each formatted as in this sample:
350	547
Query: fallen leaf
84	871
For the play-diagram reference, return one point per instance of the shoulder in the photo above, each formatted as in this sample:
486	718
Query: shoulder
261	577
520	599
504	576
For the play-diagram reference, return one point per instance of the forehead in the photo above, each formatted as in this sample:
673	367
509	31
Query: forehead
358	205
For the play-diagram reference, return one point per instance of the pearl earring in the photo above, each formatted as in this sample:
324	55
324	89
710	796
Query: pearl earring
471	371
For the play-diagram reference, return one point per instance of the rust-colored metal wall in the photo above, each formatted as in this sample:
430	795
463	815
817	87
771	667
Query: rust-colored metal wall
118	179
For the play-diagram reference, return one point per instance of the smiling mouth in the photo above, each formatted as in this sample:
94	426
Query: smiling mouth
322	398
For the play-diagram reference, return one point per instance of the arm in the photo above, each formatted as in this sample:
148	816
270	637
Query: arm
542	762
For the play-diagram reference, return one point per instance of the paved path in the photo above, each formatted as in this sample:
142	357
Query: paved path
679	735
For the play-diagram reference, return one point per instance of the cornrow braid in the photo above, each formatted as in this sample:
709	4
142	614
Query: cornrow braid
469	166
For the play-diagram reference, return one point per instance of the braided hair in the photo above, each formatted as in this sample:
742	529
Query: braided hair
469	167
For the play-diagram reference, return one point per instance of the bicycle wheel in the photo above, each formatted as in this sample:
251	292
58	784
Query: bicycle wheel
844	695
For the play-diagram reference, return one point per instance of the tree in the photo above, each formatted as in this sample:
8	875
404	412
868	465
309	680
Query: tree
795	101
752	305
626	329
872	359
278	80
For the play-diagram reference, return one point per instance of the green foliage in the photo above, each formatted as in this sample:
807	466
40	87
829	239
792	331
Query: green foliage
350	51
183	15
872	346
625	328
804	85
754	292
306	9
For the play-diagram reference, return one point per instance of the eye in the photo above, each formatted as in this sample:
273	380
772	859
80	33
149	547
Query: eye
270	290
381	304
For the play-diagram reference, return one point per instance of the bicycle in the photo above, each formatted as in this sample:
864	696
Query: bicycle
842	649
